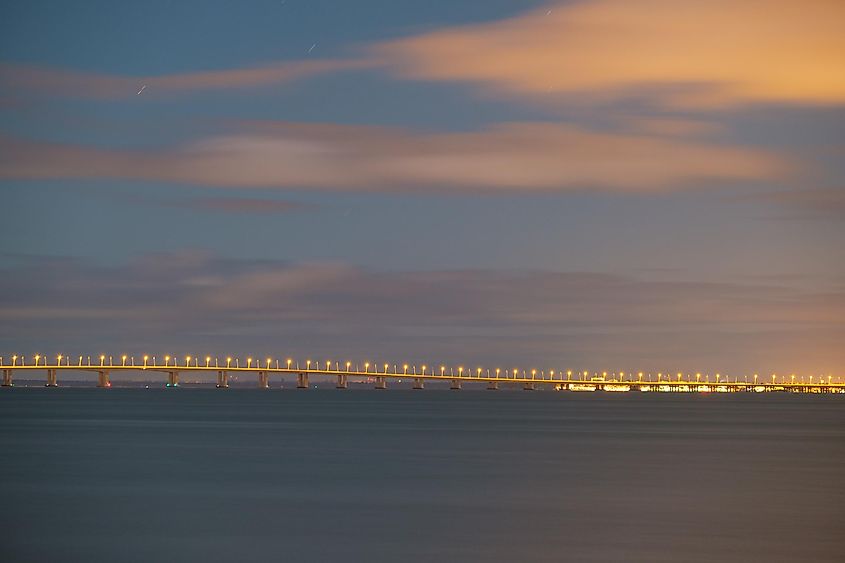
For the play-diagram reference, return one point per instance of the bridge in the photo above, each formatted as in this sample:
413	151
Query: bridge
379	375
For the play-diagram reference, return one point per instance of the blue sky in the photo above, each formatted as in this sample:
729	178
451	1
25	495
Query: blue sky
434	150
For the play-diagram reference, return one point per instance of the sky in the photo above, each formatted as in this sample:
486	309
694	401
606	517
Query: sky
626	185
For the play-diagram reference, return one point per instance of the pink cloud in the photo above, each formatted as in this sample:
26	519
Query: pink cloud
513	156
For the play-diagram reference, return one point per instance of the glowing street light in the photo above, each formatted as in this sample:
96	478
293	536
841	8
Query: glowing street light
288	362
405	368
249	363
207	360
442	369
367	367
348	365
497	372
228	361
145	361
102	359
423	370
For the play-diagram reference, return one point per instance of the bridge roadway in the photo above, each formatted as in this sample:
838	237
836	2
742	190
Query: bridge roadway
527	380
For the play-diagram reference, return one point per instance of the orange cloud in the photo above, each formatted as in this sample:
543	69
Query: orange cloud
525	156
687	53
712	53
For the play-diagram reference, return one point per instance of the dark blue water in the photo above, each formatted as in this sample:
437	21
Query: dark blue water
323	475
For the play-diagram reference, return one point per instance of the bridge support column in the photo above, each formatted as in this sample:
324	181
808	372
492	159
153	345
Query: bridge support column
492	385
529	386
222	379
381	382
418	383
51	378
263	380
342	382
302	381
7	378
103	379
173	379
456	384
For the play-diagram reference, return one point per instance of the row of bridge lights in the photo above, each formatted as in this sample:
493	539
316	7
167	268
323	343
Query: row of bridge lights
289	362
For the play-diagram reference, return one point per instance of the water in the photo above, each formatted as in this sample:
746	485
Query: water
361	475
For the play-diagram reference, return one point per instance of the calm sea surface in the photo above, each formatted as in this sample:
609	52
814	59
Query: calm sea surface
95	475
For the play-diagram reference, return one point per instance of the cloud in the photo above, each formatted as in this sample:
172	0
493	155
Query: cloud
513	156
806	203
196	302
54	82
829	200
686	52
247	205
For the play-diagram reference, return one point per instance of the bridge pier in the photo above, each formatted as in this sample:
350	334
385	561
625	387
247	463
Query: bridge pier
529	386
51	378
7	378
103	379
418	383
222	379
263	380
342	382
456	385
173	379
381	382
302	381
492	385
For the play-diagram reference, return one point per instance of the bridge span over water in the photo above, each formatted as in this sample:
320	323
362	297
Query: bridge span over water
379	375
